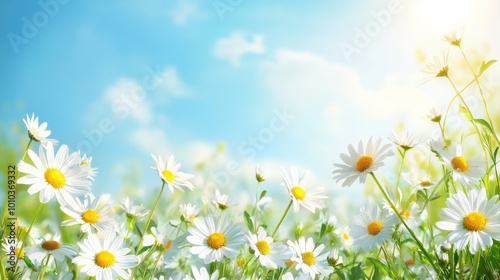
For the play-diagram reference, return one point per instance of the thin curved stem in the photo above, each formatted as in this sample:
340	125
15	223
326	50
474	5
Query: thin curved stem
419	244
150	218
282	217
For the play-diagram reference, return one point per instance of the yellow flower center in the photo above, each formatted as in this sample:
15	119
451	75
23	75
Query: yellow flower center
90	216
436	118
459	163
374	227
456	42
168	175
406	214
263	247
241	262
474	221
51	245
345	236
298	193
168	245
364	163
409	262
216	240
308	258
104	259
19	253
55	178
443	72
426	184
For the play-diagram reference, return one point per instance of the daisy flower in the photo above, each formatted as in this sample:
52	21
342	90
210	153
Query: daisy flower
412	215
132	210
38	133
300	192
157	238
85	163
454	37
93	215
168	170
260	174
344	235
371	227
188	211
437	145
334	258
467	171
58	175
212	240
105	259
438	68
202	274
222	201
361	162
473	220
50	246
405	140
418	180
434	115
15	246
308	257
270	254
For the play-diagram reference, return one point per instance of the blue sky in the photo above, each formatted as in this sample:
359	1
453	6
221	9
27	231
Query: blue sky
201	76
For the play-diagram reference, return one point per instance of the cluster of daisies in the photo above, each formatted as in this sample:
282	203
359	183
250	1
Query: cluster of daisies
437	218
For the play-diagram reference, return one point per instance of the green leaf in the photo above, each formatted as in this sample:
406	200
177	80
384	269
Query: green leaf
485	66
248	221
435	197
262	194
323	229
485	124
464	111
421	196
380	266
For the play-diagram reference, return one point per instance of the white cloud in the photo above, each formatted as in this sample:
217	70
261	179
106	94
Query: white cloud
171	83
335	90
150	140
236	46
185	11
136	99
128	98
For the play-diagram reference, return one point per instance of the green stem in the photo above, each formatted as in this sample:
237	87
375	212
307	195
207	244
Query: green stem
6	202
44	267
451	257
150	218
403	155
282	218
482	96
475	266
255	207
458	94
245	266
419	244
38	211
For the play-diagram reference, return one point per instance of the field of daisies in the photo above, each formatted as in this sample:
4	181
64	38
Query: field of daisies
437	216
